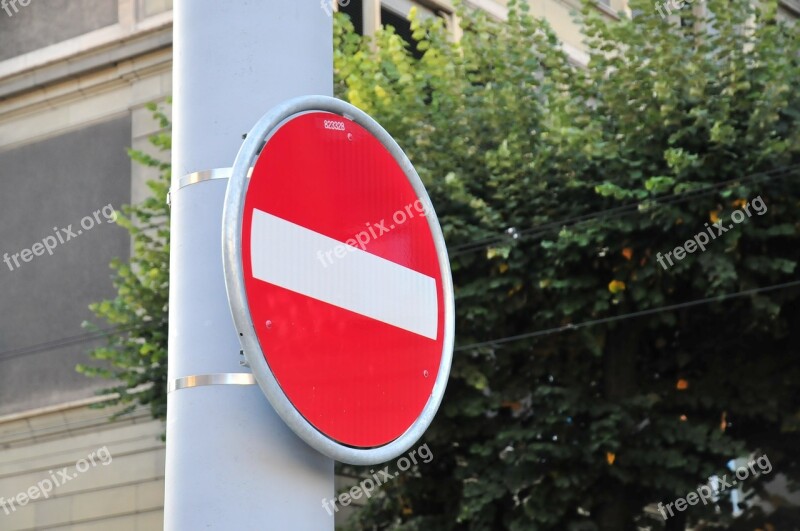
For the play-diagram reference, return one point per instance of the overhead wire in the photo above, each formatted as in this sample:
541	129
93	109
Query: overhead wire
464	248
496	342
72	340
621	317
615	212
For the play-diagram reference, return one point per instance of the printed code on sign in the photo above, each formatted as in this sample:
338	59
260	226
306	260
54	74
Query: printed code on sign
335	125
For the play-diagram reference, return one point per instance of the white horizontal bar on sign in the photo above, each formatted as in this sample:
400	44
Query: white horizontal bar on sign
287	255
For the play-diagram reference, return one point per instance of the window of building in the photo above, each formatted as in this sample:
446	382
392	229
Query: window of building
402	26
392	13
355	10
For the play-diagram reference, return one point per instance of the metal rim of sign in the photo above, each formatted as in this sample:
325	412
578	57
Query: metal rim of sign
256	139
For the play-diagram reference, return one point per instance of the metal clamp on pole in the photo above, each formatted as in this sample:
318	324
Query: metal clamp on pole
198	177
200	380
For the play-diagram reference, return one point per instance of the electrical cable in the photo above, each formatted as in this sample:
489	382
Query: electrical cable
620	211
519	337
651	311
70	341
537	333
465	248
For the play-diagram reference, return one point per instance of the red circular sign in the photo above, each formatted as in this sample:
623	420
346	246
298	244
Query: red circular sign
342	279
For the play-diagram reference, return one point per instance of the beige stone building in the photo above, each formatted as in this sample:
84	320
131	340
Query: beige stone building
75	76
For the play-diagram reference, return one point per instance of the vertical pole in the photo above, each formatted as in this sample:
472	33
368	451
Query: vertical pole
231	462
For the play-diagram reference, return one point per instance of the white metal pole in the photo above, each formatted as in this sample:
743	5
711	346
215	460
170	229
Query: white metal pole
231	462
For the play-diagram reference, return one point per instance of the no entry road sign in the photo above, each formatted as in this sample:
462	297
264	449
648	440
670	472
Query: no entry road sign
338	280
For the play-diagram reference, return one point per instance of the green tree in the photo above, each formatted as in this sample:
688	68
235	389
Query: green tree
558	186
135	356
